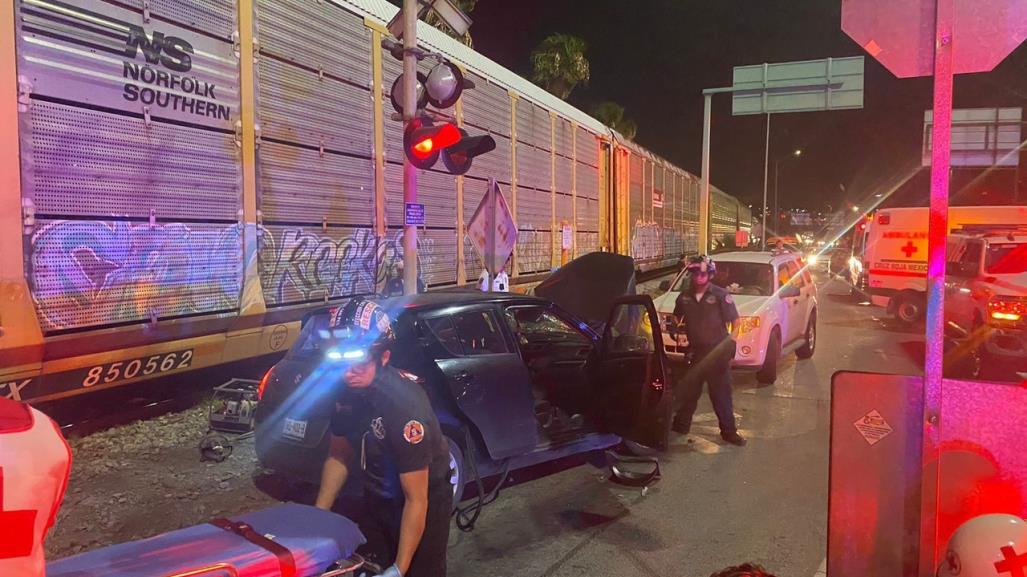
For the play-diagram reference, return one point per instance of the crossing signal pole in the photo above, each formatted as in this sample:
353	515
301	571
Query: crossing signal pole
424	141
409	15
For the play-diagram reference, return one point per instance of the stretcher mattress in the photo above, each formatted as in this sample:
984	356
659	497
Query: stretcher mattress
314	538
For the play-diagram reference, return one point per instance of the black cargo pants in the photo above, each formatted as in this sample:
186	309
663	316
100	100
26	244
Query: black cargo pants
381	523
710	366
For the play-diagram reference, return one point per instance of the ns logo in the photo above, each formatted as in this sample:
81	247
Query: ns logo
170	51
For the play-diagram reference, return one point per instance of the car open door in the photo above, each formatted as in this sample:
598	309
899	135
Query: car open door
486	378
629	368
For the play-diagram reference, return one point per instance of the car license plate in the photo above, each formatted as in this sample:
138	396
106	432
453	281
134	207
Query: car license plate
294	429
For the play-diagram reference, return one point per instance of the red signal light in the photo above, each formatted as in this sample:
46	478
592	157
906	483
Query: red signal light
424	148
436	138
423	141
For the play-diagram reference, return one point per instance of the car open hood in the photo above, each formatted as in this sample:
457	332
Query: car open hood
587	286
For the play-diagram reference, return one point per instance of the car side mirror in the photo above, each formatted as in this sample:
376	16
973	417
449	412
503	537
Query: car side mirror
665	285
790	291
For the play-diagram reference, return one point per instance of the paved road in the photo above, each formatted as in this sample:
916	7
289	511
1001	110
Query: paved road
717	505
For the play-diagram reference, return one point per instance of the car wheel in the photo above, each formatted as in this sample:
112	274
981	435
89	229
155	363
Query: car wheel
456	470
806	350
768	374
909	307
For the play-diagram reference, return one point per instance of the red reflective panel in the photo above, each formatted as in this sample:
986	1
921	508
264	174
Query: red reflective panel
448	135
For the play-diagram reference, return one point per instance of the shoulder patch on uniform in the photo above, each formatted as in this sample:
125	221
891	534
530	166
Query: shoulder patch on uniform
413	432
728	299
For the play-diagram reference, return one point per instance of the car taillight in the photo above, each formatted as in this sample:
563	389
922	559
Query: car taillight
1007	310
748	324
263	383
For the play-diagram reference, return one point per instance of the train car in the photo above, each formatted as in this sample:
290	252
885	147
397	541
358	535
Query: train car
656	207
183	181
730	221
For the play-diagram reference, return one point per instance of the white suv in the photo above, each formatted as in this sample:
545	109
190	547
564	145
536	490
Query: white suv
777	303
986	295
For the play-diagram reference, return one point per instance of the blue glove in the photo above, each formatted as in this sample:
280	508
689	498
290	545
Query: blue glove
391	572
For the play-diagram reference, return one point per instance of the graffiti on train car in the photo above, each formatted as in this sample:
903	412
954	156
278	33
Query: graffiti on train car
87	273
533	249
300	264
651	240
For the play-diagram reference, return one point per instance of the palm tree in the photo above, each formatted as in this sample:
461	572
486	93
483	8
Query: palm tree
612	115
559	64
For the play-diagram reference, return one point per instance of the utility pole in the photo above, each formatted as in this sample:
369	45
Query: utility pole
777	170
766	170
409	170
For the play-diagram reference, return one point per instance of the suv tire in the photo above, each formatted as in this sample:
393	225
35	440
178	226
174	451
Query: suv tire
768	374
806	351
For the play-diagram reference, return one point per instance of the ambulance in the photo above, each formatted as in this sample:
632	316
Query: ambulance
894	259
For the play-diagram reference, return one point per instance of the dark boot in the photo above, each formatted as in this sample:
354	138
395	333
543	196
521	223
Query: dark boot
734	438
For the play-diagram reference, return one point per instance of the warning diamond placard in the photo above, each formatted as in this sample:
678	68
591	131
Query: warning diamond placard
873	427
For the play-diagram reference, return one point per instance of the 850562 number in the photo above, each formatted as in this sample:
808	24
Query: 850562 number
145	366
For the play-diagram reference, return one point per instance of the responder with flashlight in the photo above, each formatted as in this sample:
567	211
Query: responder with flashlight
402	451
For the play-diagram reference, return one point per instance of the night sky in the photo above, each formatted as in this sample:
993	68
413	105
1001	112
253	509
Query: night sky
654	57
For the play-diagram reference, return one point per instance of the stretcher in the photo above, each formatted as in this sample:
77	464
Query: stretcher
288	540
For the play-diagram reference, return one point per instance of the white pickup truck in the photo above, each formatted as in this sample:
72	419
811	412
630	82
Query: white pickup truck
777	304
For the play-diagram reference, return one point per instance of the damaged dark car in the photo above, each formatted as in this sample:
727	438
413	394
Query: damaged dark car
515	380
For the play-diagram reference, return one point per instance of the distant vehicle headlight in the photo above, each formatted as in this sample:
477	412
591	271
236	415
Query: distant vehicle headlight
813	258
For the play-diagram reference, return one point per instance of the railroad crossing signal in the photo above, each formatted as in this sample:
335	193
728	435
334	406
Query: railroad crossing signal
424	142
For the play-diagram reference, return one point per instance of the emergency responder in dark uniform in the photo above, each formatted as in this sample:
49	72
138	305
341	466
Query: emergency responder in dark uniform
708	314
385	414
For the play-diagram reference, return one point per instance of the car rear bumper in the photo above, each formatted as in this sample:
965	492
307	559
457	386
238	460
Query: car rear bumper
294	461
